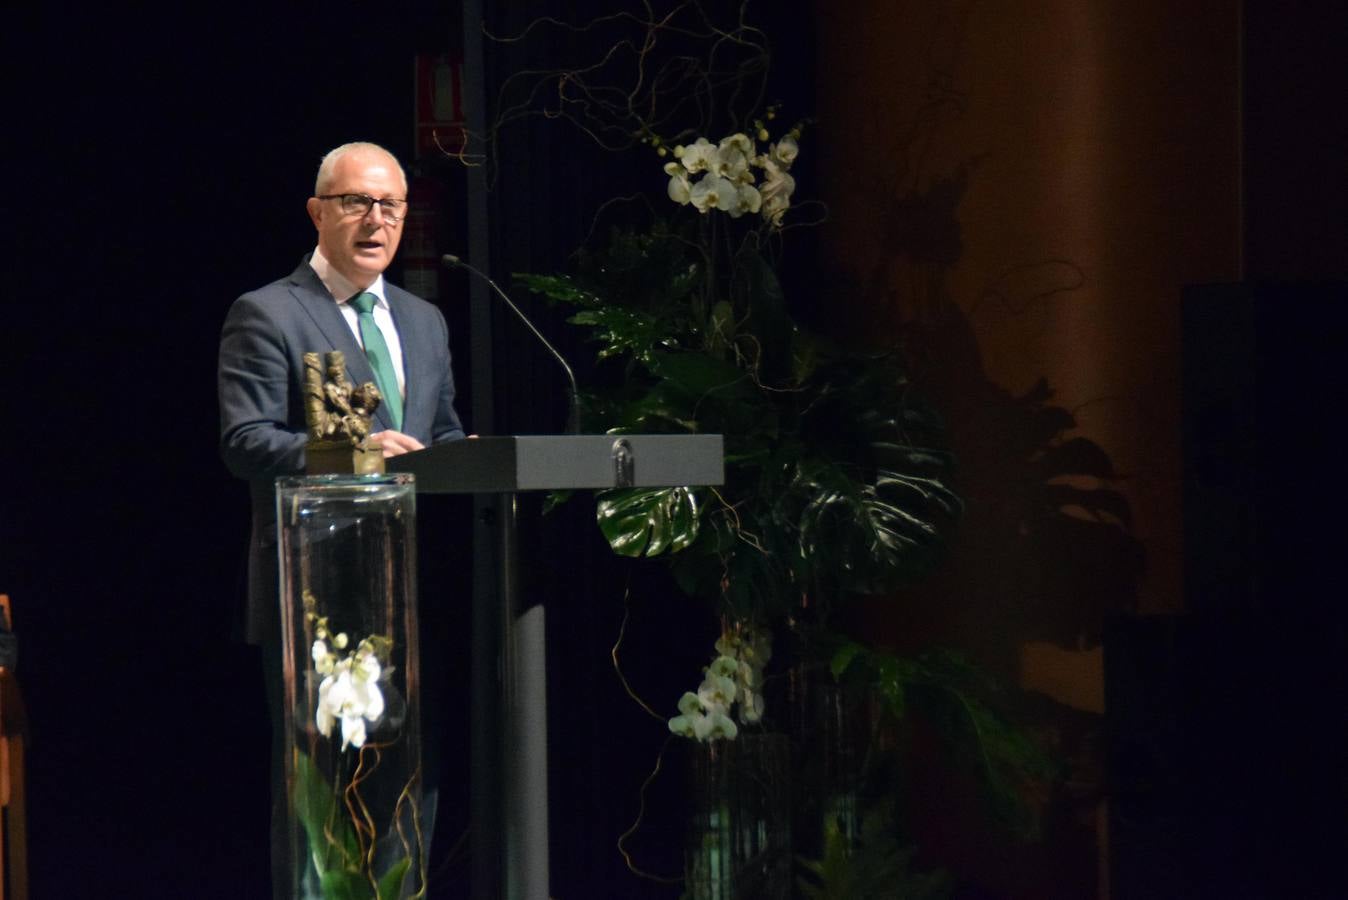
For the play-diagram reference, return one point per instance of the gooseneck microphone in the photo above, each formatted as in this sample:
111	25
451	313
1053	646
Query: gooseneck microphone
573	416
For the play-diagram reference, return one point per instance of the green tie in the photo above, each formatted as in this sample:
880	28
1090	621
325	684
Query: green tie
380	361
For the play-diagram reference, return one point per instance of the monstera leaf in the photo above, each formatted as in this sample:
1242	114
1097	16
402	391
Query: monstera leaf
869	532
648	522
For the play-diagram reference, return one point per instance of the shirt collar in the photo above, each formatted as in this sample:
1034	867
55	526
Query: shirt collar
338	285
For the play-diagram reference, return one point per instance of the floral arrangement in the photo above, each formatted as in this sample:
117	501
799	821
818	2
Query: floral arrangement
838	484
350	691
727	181
362	842
734	679
836	481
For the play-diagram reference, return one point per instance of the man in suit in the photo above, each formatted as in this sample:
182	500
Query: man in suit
358	208
331	302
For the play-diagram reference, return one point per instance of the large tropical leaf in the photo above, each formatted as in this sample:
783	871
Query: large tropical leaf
622	331
648	522
558	288
866	534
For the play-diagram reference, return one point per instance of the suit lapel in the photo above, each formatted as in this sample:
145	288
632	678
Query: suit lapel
320	306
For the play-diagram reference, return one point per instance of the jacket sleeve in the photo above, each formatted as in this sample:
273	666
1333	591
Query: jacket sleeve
257	440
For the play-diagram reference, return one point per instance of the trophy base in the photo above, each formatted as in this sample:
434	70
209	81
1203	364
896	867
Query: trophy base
340	458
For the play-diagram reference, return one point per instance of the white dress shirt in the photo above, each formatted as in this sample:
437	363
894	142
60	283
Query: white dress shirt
343	290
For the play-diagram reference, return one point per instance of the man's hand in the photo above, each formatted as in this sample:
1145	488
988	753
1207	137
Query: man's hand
395	443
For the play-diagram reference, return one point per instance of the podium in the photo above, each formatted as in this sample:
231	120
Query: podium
509	671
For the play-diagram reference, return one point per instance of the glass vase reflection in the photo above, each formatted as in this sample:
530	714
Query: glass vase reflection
356	811
740	841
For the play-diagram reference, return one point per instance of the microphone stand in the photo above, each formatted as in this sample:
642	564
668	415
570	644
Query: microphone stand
573	413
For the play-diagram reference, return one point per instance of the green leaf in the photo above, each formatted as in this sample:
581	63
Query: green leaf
648	522
332	840
866	535
622	331
561	288
391	884
844	657
338	884
699	375
870	866
555	499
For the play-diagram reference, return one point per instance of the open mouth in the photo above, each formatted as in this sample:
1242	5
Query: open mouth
368	245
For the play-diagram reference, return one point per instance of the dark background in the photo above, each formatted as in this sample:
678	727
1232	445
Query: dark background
158	163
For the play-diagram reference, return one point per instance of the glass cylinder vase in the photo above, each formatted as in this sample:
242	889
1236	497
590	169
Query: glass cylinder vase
356	810
739	844
830	732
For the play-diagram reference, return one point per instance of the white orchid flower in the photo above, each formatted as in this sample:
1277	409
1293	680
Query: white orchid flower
776	190
683	726
323	716
698	156
715	192
785	151
751	707
353	731
704	725
717	691
351	693
720	725
750	199
679	190
728	644
732	158
749	676
692	721
724	666
737	141
367	664
733	680
323	658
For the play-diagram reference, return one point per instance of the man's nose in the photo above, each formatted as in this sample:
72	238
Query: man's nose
375	214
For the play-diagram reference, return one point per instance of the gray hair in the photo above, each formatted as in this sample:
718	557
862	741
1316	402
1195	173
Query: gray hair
329	163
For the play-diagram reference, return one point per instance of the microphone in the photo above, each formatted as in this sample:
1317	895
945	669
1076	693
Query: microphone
573	416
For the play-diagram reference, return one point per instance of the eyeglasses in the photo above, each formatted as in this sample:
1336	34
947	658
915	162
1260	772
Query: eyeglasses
360	204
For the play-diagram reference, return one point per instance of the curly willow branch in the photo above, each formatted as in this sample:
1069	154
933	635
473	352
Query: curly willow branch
657	82
641	815
617	666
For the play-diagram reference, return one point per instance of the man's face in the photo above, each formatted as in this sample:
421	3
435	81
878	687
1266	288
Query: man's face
360	247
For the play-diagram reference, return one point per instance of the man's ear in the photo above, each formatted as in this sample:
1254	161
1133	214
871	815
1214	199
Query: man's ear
315	209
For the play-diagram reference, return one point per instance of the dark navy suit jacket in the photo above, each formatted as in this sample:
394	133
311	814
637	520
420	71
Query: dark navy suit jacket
260	379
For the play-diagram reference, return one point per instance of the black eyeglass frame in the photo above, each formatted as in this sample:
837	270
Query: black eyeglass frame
368	202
